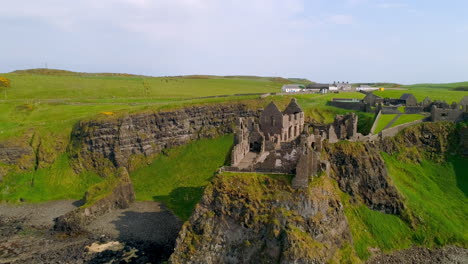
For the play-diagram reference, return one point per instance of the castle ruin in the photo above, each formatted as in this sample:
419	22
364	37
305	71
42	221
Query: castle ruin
281	142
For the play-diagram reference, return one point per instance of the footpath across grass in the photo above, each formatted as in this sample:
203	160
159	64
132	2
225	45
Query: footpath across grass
178	177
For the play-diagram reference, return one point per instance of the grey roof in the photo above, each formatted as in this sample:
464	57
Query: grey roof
292	108
318	85
406	96
271	107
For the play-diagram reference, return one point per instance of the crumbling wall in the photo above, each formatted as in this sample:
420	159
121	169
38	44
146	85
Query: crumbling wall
376	121
356	106
447	114
388	110
414	109
345	126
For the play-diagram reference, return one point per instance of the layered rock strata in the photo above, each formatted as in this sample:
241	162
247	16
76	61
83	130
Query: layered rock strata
146	134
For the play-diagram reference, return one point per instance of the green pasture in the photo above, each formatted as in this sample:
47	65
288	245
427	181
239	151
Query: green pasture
403	119
383	122
436	198
178	177
445	92
113	87
436	194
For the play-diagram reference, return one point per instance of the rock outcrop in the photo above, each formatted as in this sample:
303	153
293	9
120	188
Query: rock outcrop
434	138
146	134
254	218
120	197
360	171
15	155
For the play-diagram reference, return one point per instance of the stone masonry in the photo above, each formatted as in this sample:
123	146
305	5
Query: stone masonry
281	142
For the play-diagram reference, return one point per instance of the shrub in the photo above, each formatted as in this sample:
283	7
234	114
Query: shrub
5	82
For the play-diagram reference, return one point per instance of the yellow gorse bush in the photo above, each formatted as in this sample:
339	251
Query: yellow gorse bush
4	82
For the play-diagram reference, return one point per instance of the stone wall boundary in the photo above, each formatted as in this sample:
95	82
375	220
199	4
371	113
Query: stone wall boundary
376	120
392	131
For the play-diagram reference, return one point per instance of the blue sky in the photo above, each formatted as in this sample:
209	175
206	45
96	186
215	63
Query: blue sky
343	40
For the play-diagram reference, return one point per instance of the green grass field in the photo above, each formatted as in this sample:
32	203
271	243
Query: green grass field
37	87
436	197
372	229
444	92
178	178
383	122
54	183
403	119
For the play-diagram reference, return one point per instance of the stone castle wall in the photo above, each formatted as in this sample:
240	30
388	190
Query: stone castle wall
448	114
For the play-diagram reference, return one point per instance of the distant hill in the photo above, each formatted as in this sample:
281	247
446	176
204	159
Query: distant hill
57	72
43	71
300	81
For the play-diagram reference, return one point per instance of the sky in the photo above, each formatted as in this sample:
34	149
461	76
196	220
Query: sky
323	40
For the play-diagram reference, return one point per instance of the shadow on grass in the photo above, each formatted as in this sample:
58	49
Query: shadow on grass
460	165
182	200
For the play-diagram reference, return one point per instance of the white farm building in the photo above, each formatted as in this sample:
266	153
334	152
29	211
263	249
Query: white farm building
292	88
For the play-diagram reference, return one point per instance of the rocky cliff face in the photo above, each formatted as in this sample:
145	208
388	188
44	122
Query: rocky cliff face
433	138
253	218
146	134
120	196
360	171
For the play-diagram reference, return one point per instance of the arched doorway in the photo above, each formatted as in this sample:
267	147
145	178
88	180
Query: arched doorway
255	147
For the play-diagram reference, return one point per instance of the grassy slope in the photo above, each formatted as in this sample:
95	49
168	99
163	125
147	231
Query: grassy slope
435	194
105	87
383	122
54	103
178	178
54	183
403	119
